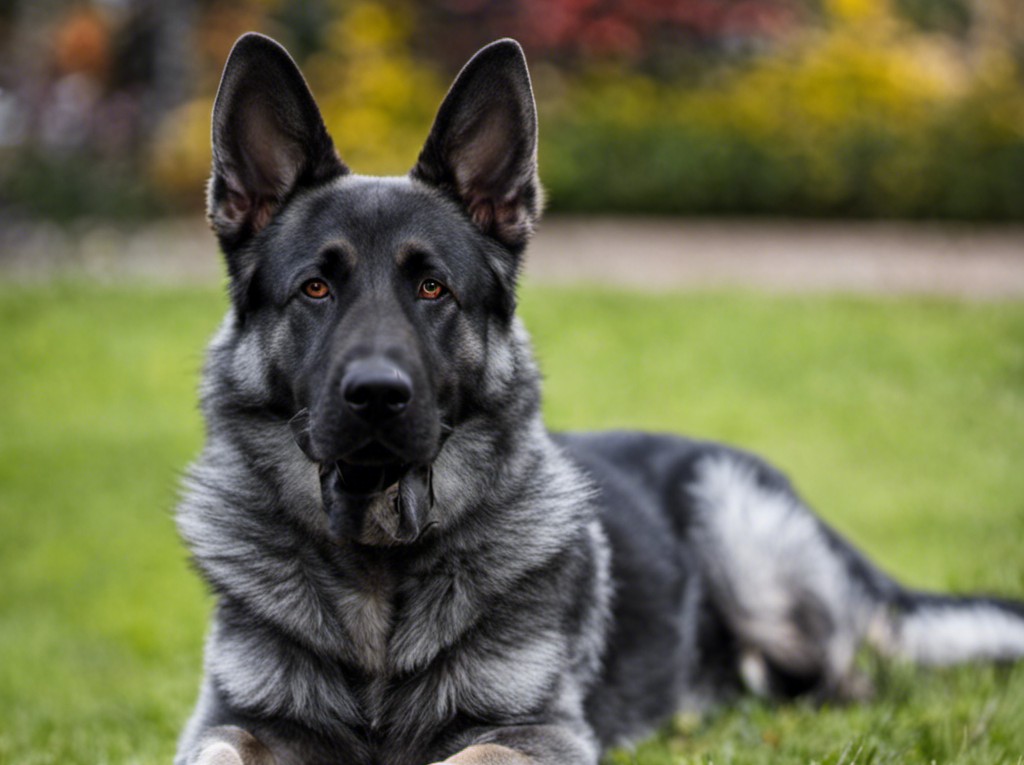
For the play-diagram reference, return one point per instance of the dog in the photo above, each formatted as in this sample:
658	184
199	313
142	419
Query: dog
409	568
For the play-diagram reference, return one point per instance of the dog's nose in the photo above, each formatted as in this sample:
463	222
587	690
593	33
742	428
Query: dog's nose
376	390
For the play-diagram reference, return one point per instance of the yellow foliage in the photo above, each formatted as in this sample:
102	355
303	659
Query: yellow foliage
377	101
858	10
368	27
854	103
180	157
858	109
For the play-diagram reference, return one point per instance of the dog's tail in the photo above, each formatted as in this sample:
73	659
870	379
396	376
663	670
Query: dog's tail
927	627
932	628
935	629
800	599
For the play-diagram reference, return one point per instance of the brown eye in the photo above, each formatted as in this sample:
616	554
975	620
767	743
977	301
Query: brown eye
431	289
316	289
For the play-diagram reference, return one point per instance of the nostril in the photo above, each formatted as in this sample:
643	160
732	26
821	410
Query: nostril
397	398
357	396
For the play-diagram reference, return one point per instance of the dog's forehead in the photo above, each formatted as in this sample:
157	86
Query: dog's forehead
377	217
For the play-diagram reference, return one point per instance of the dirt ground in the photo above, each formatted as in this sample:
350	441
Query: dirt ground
784	256
975	262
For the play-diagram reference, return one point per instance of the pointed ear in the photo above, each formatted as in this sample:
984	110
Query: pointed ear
482	149
268	139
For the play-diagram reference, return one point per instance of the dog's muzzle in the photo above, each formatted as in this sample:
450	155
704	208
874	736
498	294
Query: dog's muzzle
370	484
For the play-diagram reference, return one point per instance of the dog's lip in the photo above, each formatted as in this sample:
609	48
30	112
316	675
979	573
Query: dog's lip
372	453
370	469
367	480
371	449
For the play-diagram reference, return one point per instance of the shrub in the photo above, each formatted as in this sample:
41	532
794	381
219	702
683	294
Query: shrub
861	118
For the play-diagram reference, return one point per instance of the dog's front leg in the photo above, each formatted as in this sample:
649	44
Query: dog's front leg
488	754
229	745
527	745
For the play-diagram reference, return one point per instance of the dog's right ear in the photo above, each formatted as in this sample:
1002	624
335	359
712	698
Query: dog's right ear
268	140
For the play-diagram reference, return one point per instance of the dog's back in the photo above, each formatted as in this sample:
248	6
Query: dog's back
722	573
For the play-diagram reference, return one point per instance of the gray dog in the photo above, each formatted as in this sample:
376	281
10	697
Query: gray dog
409	568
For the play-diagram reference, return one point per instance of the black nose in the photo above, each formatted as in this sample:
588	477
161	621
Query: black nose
376	390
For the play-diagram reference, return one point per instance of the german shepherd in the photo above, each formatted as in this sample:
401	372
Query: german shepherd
409	568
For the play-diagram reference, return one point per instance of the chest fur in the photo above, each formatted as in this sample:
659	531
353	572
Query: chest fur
367	616
412	655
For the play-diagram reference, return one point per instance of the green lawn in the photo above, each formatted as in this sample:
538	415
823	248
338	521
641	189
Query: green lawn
902	420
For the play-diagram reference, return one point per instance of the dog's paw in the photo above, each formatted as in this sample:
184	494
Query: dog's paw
219	753
487	754
229	745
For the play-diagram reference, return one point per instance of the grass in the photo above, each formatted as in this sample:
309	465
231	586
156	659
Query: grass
901	420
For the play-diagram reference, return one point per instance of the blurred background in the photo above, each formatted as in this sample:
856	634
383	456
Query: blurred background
732	155
848	108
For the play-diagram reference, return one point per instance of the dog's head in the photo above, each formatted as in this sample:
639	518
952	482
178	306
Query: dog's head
363	307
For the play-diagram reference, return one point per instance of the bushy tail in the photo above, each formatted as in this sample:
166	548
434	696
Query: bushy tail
800	599
930	628
942	629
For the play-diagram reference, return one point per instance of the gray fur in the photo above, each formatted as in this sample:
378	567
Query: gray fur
445	578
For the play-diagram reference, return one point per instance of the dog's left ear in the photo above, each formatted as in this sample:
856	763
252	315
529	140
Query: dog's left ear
482	149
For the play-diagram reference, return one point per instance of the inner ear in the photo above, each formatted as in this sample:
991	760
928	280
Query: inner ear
258	170
482	148
272	162
268	139
485	165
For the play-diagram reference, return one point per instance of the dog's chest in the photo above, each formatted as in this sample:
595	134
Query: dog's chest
400	632
367	613
398	654
397	620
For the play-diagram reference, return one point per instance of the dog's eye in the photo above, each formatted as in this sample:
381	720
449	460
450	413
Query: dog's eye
431	289
316	289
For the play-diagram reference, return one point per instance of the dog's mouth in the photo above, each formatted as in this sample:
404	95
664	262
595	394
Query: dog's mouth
370	469
370	487
386	503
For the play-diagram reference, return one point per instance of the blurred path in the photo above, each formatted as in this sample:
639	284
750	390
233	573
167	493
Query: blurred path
784	256
660	254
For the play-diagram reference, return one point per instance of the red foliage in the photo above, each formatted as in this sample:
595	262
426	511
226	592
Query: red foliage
629	27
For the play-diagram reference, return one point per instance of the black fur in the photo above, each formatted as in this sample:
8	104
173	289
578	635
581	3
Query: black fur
408	567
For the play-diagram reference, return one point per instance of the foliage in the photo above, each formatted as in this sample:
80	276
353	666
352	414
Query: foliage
862	117
376	98
653	35
377	101
899	419
859	115
866	108
66	185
